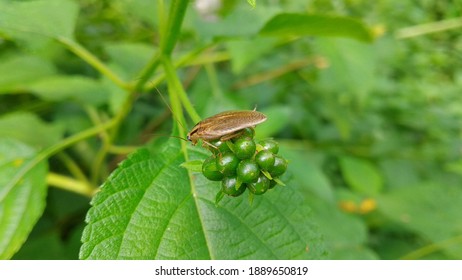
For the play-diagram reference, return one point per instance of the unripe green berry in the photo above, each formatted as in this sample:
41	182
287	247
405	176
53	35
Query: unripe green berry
279	167
270	145
210	171
265	159
221	147
227	163
244	148
228	186
248	132
260	186
248	171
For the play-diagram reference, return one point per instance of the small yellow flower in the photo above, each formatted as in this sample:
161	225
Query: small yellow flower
348	206
367	205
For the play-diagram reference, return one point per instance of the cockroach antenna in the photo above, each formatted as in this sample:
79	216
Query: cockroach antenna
173	115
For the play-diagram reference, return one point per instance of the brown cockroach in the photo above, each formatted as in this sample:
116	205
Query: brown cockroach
224	126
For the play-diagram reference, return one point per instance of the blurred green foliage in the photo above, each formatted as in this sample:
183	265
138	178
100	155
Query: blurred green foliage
372	127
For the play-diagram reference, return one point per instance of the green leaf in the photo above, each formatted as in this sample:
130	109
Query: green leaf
244	52
36	22
241	22
22	194
193	165
352	65
78	88
25	127
279	182
316	25
149	209
430	210
361	175
17	72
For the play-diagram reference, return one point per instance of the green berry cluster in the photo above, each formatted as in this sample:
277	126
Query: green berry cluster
241	163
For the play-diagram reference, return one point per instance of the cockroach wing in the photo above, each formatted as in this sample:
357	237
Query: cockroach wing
229	122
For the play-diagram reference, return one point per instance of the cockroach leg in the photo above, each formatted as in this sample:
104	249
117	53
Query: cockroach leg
205	143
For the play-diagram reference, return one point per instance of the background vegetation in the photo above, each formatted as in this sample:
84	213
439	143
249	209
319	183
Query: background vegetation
363	96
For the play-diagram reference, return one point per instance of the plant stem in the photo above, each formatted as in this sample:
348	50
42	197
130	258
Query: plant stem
70	184
161	18
98	169
85	55
174	88
172	29
433	27
172	78
213	79
96	119
72	167
147	71
171	32
88	57
49	152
